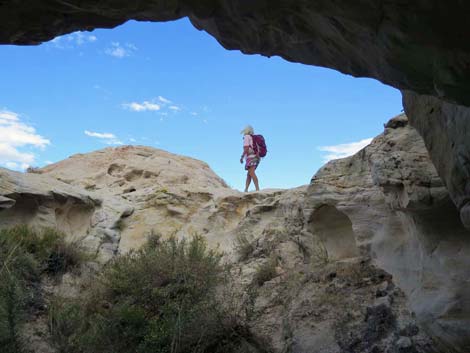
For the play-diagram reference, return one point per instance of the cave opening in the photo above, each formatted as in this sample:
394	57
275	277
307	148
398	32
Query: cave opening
334	229
169	86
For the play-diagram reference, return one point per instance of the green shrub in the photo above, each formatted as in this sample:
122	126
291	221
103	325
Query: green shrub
160	299
25	254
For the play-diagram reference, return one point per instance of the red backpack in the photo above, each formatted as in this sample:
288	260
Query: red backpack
259	145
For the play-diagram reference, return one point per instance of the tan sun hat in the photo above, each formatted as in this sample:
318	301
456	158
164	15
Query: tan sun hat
248	130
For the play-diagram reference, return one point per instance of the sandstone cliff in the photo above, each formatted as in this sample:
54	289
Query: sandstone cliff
391	200
370	255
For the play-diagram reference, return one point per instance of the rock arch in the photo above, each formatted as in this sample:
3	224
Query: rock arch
334	228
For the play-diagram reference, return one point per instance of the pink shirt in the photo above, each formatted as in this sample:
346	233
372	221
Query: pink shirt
248	141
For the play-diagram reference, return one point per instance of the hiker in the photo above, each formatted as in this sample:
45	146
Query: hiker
253	149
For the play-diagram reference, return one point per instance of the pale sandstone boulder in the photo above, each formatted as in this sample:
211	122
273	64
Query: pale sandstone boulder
44	201
164	190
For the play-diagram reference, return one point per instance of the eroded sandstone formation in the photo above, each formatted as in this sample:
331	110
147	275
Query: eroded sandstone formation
401	215
133	190
371	256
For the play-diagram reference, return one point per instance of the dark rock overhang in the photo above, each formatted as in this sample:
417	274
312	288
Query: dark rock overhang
421	46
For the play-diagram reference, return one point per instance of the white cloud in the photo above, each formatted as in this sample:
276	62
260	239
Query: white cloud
117	52
12	165
7	115
120	51
141	107
105	137
343	150
131	46
194	114
164	100
15	135
72	40
175	108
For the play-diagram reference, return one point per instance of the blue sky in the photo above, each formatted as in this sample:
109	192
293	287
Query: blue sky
169	86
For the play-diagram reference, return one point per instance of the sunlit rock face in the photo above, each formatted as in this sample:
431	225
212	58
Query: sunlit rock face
417	45
161	190
390	198
27	198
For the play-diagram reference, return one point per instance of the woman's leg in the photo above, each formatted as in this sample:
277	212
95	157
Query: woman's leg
248	181
252	174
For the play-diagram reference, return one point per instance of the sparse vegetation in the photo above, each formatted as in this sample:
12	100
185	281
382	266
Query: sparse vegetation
266	271
34	170
243	247
303	248
26	254
319	253
160	299
160	197
313	251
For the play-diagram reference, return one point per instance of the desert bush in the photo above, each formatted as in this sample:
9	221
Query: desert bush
160	299
266	271
26	254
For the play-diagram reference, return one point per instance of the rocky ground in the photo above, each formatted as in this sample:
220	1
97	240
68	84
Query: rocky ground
370	257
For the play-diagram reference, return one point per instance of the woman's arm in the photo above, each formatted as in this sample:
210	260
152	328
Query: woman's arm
245	153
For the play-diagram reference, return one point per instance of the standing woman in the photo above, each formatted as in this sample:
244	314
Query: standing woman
251	158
